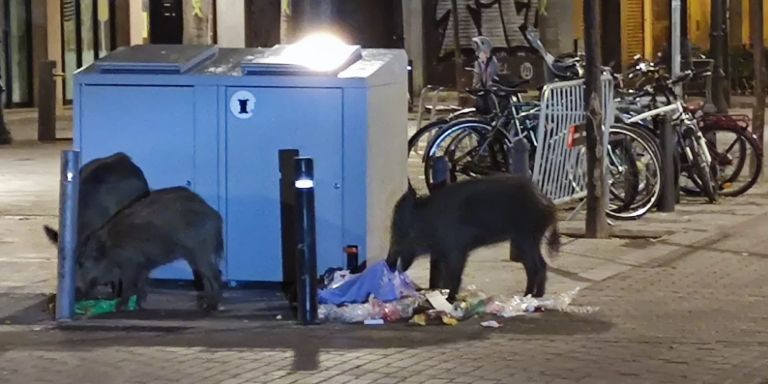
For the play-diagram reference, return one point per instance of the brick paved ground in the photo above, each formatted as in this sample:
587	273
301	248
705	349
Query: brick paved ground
695	316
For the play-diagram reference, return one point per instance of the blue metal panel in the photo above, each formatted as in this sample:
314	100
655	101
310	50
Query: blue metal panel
207	154
153	125
308	119
148	123
356	168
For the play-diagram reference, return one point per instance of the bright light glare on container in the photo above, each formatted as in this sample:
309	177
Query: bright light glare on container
304	184
319	51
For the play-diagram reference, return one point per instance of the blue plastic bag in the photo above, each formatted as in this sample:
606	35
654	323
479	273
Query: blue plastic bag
376	280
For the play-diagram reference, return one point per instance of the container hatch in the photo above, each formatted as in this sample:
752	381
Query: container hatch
320	56
155	58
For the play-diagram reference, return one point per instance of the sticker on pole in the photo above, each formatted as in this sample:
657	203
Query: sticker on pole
577	136
242	104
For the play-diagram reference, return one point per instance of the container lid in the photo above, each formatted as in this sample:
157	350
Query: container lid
307	57
155	58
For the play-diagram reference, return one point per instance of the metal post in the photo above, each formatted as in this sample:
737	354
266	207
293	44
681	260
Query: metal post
518	156
286	159
717	47
46	96
5	134
519	153
68	193
668	194
675	43
306	250
440	175
597	198
440	172
756	31
459	66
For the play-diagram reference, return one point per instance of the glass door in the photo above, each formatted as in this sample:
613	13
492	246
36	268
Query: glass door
88	28
16	53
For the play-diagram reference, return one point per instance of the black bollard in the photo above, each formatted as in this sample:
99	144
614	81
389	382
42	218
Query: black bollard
306	250
46	96
288	224
68	192
668	192
519	153
440	175
440	172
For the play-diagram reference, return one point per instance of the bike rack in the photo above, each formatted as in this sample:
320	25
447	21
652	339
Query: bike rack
436	106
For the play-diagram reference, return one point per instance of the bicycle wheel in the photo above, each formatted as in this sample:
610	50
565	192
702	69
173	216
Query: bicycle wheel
623	182
635	168
470	150
699	171
738	157
416	142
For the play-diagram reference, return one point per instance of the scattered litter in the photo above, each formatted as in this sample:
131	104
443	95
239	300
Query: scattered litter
335	277
373	309
376	280
490	324
449	320
219	69
279	317
439	302
517	305
377	296
420	319
98	307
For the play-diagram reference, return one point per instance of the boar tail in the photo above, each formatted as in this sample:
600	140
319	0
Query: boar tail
553	242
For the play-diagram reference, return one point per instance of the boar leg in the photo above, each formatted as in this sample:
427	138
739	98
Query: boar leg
436	270
141	289
211	278
454	269
130	279
535	267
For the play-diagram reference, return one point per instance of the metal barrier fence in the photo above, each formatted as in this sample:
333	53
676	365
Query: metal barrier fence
560	171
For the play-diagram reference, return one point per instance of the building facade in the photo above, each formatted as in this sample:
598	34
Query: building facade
74	33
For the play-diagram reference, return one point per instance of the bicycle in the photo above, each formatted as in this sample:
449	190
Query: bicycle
659	98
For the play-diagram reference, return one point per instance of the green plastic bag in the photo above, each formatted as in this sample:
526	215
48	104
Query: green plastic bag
99	307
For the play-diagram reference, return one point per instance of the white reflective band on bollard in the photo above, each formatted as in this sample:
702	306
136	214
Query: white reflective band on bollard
304	183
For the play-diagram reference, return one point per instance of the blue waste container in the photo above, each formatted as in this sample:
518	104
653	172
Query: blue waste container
214	119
